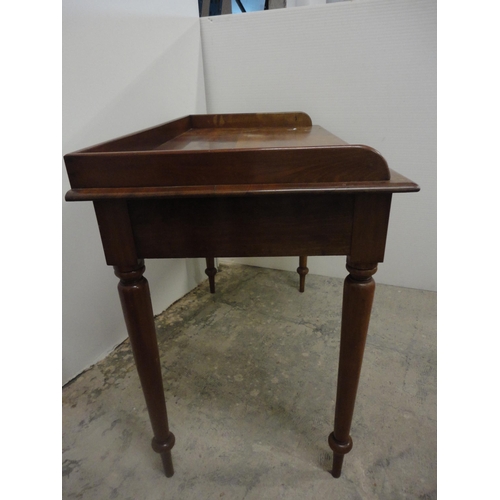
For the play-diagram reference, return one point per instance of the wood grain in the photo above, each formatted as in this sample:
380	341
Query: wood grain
226	167
396	184
249	120
135	299
242	226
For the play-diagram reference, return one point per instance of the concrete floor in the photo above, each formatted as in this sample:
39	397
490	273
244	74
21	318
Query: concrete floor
250	376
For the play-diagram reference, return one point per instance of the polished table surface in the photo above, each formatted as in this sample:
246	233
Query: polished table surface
239	185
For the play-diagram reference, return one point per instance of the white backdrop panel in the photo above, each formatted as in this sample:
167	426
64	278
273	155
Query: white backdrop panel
127	65
366	71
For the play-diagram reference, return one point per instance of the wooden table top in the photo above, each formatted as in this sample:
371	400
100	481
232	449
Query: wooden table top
209	139
229	154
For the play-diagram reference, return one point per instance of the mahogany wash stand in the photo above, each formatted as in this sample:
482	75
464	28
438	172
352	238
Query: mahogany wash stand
238	185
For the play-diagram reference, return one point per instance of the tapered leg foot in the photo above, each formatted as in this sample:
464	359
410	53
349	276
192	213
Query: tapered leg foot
339	450
302	270
211	271
359	289
168	466
164	449
138	312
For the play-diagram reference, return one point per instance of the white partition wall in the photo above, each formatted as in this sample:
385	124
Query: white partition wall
366	71
127	65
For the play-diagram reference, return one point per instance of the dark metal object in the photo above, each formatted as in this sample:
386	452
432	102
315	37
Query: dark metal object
240	5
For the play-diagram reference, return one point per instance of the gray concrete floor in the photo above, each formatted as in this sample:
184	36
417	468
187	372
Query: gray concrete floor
250	376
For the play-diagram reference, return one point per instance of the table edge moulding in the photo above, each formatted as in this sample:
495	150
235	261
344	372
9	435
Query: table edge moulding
239	185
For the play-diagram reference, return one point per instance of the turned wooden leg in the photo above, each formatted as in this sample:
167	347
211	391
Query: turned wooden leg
359	288
138	312
302	270
211	271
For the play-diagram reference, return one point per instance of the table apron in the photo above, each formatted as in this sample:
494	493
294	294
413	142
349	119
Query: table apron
236	226
242	226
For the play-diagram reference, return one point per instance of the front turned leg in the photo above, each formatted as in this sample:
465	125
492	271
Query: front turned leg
302	270
211	271
359	289
138	312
